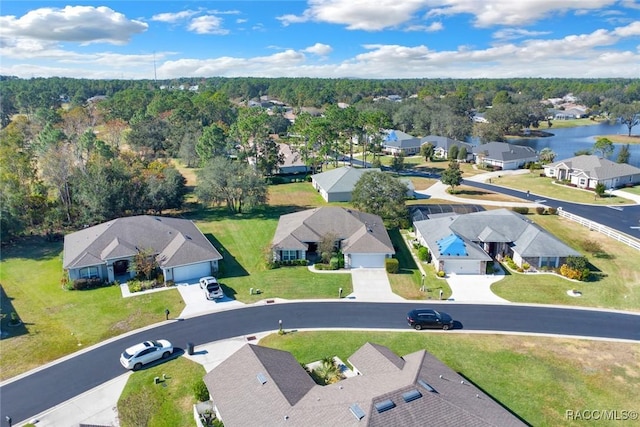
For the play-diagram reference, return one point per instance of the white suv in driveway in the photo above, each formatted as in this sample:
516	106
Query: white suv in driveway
212	289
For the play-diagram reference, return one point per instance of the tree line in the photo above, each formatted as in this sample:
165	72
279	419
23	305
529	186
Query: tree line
67	160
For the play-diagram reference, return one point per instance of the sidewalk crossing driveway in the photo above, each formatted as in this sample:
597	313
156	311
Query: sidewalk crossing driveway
372	284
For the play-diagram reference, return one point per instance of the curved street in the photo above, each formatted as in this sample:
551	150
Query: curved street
51	385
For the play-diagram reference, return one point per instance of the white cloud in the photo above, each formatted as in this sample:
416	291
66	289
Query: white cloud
173	17
319	49
516	33
208	24
374	16
82	24
431	28
511	12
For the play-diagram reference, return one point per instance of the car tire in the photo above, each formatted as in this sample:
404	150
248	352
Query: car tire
165	354
417	327
445	327
137	366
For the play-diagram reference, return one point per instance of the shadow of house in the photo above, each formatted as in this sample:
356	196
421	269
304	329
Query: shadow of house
229	266
9	330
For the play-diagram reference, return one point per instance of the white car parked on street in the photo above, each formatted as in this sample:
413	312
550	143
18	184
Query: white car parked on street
146	352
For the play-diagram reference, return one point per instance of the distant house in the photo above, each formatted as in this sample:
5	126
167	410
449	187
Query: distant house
260	386
442	145
336	185
504	156
361	237
292	161
108	250
464	244
395	142
589	170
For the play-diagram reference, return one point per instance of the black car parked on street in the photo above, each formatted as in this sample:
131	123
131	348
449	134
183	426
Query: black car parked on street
427	318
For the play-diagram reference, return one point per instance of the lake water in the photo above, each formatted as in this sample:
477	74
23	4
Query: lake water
565	142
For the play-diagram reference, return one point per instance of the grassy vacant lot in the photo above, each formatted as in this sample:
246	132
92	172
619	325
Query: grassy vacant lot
536	378
544	186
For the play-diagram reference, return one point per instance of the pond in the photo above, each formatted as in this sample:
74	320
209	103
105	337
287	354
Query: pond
565	142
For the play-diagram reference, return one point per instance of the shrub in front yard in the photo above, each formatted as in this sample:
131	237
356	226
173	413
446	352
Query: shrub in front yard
521	210
540	210
391	265
84	284
200	391
552	211
441	273
423	254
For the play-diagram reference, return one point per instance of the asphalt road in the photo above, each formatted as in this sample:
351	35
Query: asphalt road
54	384
625	219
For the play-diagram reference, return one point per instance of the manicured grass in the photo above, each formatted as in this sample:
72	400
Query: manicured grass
616	278
168	404
544	187
478	194
56	321
537	378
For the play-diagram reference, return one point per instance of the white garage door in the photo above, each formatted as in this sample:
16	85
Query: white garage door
193	271
367	260
461	267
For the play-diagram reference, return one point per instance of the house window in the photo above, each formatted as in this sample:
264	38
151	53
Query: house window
547	261
89	272
288	255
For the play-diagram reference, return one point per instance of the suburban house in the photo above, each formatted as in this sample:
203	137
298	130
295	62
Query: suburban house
360	236
108	250
336	185
442	145
397	142
464	244
589	170
504	156
292	161
260	386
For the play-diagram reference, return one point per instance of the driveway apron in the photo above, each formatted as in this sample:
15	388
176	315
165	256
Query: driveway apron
372	284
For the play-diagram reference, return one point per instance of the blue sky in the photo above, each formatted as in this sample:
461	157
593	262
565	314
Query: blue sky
321	38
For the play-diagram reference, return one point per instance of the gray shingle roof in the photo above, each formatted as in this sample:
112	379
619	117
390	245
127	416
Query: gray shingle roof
502	225
360	232
399	139
505	152
596	168
340	180
176	241
433	230
242	400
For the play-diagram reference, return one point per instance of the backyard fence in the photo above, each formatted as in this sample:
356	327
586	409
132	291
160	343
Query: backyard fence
627	240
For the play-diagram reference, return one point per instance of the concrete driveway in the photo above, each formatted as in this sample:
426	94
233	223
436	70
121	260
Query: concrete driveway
475	288
372	284
196	303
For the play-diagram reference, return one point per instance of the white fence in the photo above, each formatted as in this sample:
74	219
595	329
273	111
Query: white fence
629	241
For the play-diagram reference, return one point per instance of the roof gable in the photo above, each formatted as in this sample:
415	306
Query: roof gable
361	232
178	241
340	180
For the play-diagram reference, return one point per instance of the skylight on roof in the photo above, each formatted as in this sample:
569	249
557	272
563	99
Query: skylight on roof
411	395
385	405
357	411
427	386
261	378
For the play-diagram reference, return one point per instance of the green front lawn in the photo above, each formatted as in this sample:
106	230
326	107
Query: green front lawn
57	322
538	378
167	404
616	276
541	186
